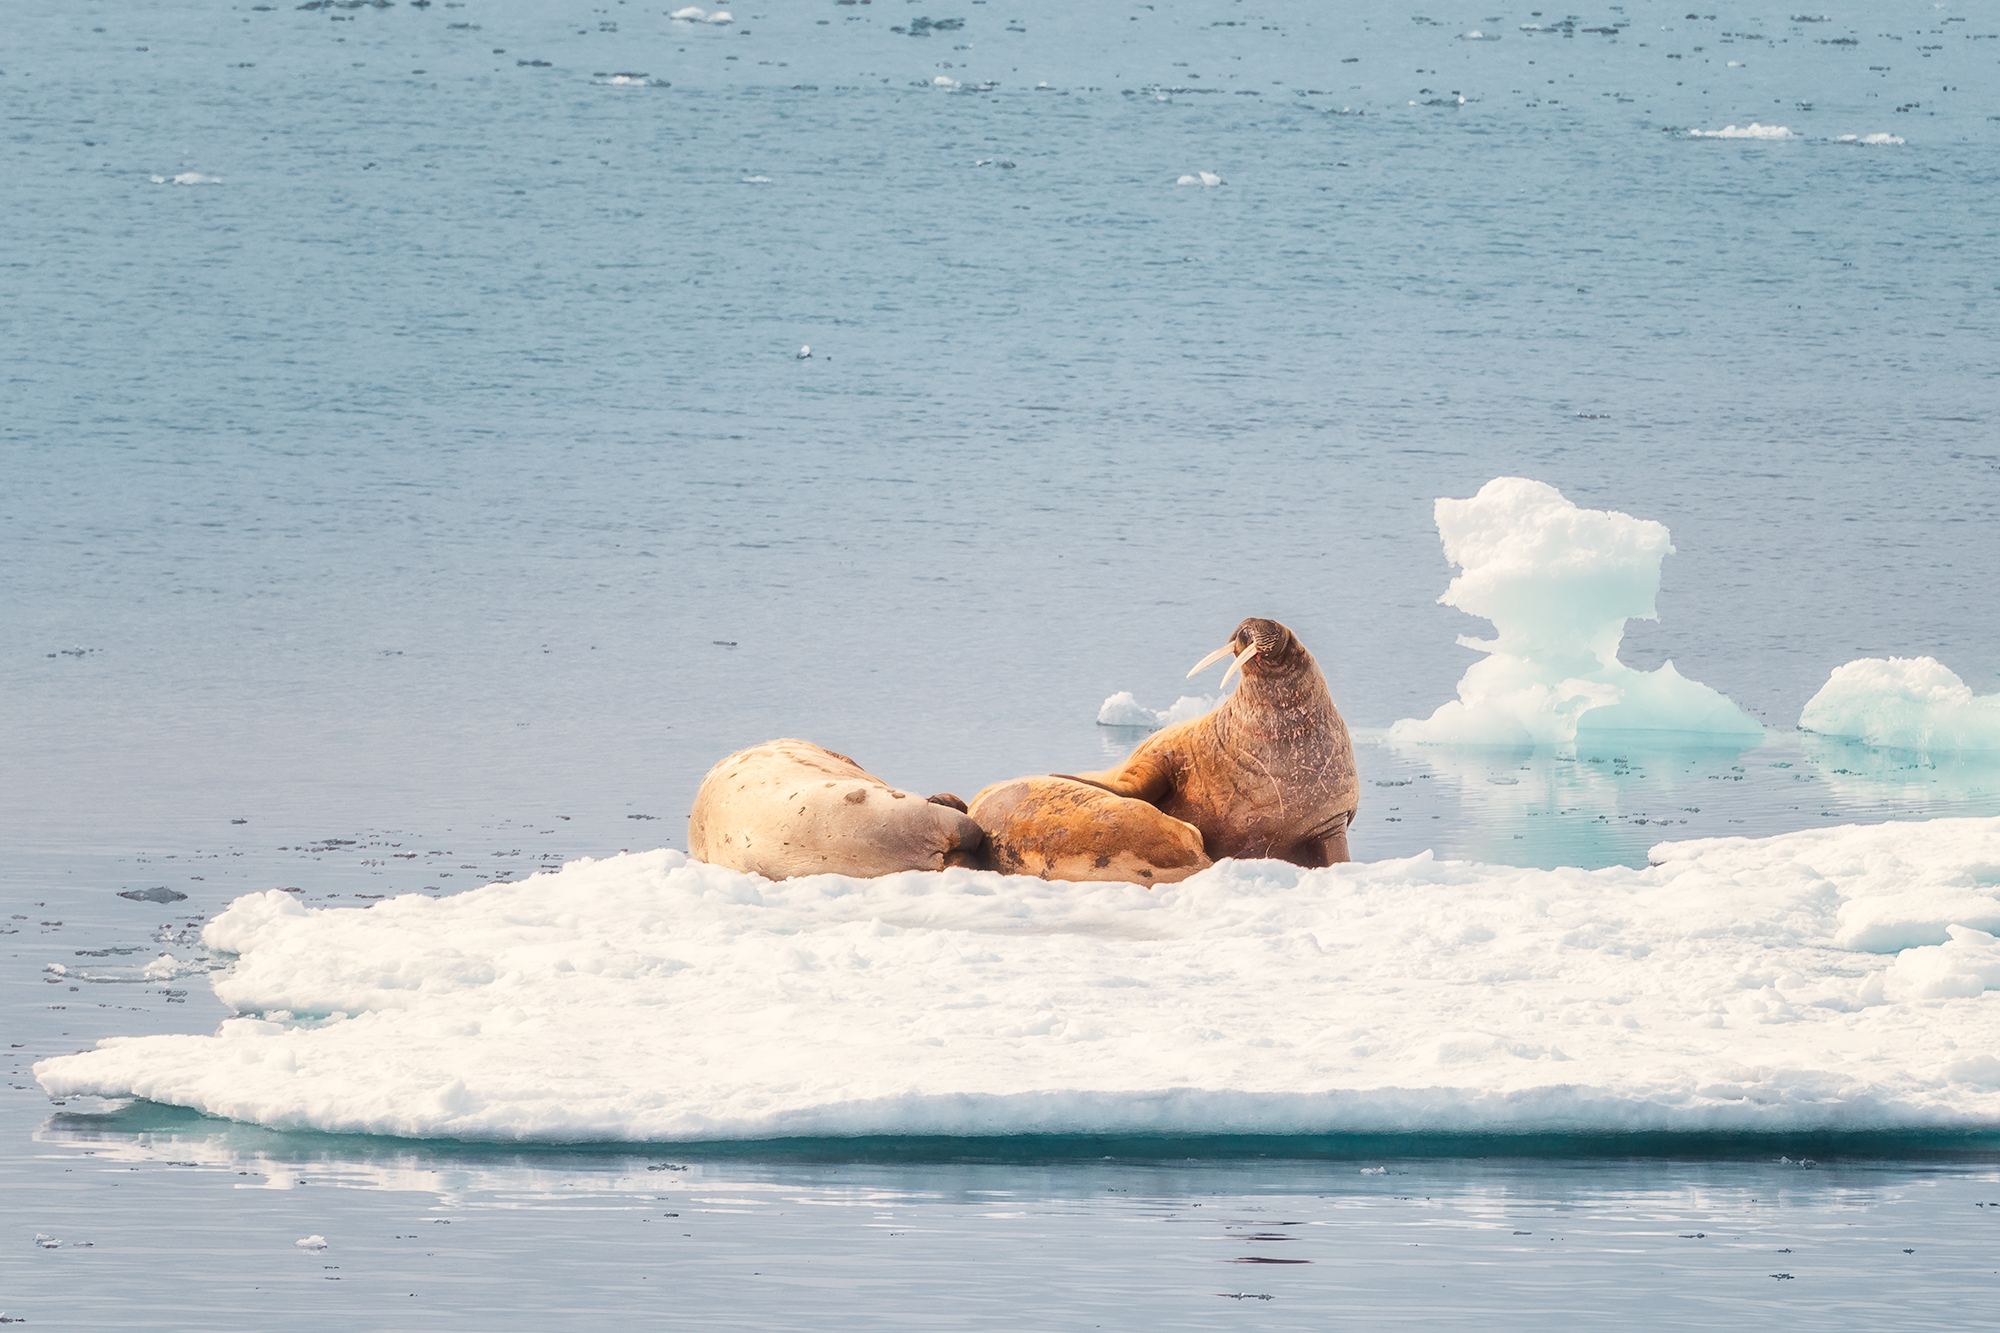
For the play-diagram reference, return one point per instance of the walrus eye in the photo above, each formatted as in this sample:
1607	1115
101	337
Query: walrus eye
1237	665
1214	657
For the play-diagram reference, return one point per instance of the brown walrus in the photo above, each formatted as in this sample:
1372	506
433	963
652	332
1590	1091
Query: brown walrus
788	808
1270	772
1060	828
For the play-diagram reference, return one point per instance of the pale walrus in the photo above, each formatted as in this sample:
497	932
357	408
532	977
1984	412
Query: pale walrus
1269	773
1059	828
788	808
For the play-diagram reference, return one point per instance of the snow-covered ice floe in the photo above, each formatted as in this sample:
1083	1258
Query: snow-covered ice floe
1729	986
1907	703
1558	583
187	178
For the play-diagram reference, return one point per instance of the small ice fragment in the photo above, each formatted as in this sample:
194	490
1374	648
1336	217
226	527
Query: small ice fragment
945	81
314	1243
1124	710
1374	1170
46	1241
1751	131
164	968
720	16
689	15
1200	178
1880	140
803	353
756	180
57	968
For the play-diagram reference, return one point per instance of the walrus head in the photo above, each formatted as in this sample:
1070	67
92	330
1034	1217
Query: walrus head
1261	648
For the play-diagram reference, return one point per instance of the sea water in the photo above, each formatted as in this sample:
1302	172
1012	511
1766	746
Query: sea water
408	453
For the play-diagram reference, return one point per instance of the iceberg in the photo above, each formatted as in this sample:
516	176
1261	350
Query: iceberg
1558	583
1841	979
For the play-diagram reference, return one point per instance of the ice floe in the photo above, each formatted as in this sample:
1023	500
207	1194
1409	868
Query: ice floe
1124	710
1751	131
187	178
693	14
1729	986
1200	178
1558	583
1870	140
1908	703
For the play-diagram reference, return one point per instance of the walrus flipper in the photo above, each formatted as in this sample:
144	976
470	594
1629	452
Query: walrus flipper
1148	774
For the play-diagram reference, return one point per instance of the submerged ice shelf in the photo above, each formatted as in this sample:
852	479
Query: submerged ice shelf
1843	978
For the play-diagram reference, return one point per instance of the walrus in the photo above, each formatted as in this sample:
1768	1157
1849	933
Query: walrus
787	808
1059	828
1269	773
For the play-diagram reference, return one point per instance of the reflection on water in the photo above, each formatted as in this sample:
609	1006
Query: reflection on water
1618	796
1609	798
195	1221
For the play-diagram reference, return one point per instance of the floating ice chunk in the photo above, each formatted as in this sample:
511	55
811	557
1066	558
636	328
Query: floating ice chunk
1870	140
691	14
756	180
720	16
1965	966
1558	583
187	178
1751	131
1477	36
46	1241
164	968
57	969
1200	178
1124	710
1909	703
314	1243
945	81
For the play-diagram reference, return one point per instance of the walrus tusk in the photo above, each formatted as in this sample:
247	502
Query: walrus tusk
1212	659
1237	665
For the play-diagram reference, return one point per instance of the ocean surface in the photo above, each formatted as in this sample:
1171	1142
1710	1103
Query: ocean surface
407	448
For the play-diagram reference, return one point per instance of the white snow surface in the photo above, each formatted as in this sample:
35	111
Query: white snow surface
1558	582
650	997
1906	703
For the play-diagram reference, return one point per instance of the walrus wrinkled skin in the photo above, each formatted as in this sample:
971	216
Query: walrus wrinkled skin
1059	828
788	808
1270	772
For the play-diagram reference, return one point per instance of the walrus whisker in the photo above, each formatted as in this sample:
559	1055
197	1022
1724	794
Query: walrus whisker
1237	665
1211	659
